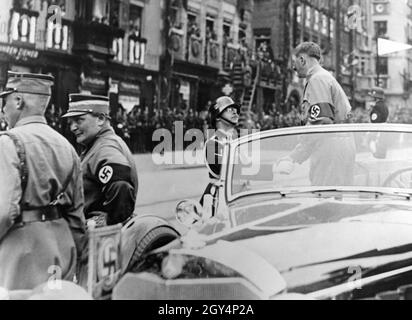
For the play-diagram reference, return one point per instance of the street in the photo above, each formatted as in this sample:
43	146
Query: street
161	187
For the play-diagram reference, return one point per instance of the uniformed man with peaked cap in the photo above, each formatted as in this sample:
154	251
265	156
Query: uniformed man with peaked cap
41	190
109	171
380	111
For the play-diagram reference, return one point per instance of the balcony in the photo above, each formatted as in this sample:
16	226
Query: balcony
23	27
95	39
57	36
117	49
137	50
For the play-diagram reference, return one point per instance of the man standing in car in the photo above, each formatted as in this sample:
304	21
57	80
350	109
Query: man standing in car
109	171
321	86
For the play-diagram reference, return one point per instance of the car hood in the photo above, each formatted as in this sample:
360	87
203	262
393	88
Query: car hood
315	257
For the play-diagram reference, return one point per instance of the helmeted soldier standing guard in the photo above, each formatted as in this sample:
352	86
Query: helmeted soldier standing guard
109	171
41	190
224	117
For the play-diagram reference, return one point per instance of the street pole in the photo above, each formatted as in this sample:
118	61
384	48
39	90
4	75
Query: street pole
337	38
352	47
378	80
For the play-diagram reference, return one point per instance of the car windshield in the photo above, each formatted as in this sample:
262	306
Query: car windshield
336	159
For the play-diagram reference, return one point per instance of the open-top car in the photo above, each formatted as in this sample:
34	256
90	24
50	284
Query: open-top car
320	212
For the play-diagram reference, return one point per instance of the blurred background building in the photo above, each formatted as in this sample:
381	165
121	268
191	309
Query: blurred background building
166	60
392	20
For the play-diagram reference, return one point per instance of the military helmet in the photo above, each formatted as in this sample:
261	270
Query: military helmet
221	105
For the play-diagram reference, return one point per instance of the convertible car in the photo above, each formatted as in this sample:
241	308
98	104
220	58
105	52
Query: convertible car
320	212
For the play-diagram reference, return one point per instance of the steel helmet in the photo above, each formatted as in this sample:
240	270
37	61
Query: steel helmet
221	105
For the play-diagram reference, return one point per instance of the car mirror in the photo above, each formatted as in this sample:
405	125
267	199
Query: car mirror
189	213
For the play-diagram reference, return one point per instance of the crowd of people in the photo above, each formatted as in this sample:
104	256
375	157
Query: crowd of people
137	127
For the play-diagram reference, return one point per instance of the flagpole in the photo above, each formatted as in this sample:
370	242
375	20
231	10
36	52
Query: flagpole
378	80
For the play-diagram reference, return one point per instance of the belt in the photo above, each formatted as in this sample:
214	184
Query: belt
39	215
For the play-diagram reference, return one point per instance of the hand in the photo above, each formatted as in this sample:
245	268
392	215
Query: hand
285	166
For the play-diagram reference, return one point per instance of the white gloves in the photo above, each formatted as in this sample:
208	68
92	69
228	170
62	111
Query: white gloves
285	166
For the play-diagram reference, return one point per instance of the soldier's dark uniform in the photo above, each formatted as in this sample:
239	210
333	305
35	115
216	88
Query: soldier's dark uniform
214	148
109	171
379	143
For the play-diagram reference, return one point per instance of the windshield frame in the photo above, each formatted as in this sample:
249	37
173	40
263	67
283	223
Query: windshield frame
341	128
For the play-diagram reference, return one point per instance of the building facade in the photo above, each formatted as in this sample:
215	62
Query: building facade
94	46
340	27
202	41
392	20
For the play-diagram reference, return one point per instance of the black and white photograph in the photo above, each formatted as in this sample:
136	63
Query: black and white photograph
222	152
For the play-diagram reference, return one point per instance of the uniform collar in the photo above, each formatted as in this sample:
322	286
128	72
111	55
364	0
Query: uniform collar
313	70
30	120
104	132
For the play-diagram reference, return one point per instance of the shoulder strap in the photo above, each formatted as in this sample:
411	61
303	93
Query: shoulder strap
21	153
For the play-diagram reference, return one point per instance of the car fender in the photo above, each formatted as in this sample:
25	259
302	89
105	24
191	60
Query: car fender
135	230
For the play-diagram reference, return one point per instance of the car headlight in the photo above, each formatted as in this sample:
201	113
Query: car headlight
172	266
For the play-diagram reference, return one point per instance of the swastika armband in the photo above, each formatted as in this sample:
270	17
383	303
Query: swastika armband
109	173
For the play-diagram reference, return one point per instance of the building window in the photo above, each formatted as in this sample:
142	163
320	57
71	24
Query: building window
324	29
382	66
101	11
227	31
308	18
299	14
381	28
23	4
135	20
192	25
332	28
210	28
176	14
317	21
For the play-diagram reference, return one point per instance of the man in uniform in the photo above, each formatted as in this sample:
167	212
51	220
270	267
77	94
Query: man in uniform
321	86
224	118
379	112
109	170
332	156
41	190
379	143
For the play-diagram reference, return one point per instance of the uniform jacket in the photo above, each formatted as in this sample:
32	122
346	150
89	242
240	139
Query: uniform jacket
332	158
322	87
214	152
32	254
110	177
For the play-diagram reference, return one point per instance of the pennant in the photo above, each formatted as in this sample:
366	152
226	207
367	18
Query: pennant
386	47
